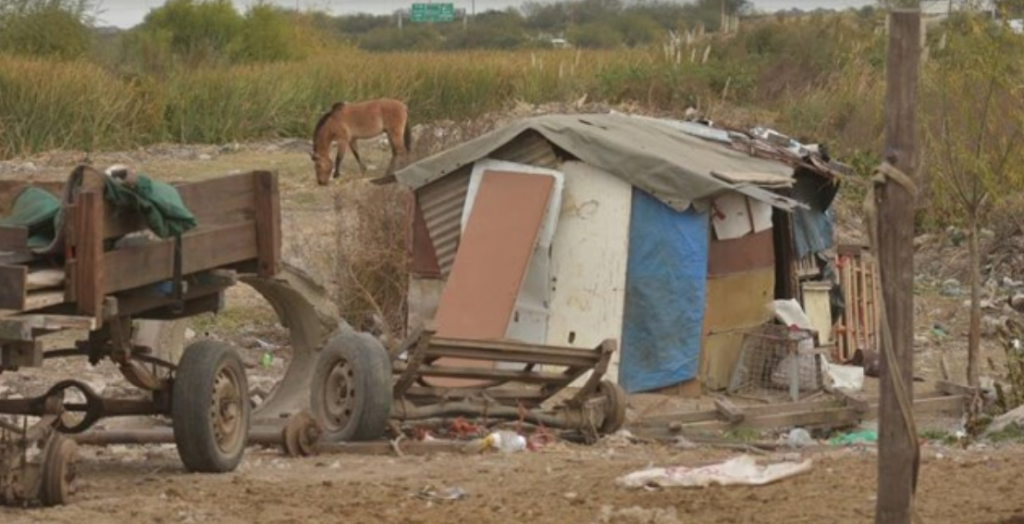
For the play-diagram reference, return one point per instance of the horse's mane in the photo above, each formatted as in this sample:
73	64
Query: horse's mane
326	116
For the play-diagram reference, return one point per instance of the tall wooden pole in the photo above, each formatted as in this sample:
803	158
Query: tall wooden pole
897	448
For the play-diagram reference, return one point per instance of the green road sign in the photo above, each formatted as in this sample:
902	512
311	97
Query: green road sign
432	13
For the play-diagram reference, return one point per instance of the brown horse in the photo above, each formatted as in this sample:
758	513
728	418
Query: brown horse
346	123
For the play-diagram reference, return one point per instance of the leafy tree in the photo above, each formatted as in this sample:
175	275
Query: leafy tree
267	35
198	30
976	93
420	37
595	35
491	30
637	29
58	28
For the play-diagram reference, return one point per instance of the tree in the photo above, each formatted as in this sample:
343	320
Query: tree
59	28
976	137
199	30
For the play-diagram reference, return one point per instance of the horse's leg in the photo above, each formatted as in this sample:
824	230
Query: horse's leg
355	153
338	158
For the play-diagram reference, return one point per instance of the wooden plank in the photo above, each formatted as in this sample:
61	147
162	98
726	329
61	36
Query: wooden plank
55	322
202	249
12	287
88	253
729	411
898	452
267	205
739	255
222	200
493	255
952	388
13	238
10	258
43	299
854	400
492	259
494	374
45	279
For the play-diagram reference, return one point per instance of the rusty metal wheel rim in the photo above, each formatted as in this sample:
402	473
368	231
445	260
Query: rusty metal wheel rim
226	410
60	468
339	394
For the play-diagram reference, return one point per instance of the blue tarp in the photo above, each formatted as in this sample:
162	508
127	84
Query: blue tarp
666	282
812	231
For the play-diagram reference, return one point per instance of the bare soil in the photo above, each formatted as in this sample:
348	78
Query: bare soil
562	483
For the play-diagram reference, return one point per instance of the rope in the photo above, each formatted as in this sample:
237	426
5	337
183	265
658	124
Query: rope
884	174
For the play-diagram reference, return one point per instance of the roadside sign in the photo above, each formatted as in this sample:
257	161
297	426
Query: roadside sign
432	13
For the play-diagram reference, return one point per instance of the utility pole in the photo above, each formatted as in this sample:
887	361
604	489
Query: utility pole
898	452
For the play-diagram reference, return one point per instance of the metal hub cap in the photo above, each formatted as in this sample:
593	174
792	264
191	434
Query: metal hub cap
339	394
226	410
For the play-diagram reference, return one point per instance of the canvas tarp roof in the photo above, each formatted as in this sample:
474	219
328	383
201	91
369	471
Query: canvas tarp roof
674	167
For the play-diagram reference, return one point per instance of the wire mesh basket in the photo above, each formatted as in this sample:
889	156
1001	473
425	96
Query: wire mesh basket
777	361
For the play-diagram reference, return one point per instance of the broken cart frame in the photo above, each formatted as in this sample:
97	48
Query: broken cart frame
509	382
106	273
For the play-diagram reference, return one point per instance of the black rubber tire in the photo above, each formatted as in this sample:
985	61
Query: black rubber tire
359	364
201	365
615	407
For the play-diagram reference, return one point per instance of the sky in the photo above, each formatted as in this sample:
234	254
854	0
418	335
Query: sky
127	13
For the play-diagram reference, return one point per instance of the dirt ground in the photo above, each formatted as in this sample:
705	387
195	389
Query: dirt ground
563	483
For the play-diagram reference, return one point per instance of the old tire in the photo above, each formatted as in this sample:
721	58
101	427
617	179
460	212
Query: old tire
351	390
615	406
59	473
210	407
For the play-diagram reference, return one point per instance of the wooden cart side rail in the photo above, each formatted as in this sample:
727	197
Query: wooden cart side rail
239	222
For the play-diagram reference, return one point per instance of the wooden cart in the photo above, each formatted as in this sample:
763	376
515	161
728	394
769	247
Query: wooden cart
507	381
107	274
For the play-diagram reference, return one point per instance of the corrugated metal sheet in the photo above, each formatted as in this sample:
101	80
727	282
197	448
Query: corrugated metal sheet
442	202
529	148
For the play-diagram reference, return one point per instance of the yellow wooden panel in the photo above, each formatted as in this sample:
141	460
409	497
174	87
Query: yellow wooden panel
739	300
721	352
816	305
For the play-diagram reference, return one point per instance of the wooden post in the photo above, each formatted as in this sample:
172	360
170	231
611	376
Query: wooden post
897	449
89	277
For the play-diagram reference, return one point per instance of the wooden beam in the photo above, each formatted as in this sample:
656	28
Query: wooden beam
13	238
732	413
898	452
45	279
202	249
43	299
12	287
268	222
952	388
88	238
855	400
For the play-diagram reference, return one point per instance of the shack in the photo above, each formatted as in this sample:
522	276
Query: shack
670	237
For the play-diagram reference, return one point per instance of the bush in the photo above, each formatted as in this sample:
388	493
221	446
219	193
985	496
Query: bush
55	28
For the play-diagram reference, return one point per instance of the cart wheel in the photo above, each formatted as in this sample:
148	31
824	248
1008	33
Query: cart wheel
300	435
351	390
210	407
59	471
615	406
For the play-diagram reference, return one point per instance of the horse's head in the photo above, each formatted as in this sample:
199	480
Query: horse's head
323	167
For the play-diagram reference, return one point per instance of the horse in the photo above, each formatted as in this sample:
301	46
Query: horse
345	123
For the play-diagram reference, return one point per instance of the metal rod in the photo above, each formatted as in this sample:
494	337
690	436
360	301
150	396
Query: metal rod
266	436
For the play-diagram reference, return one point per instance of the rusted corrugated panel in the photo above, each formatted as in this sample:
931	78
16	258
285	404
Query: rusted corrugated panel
420	246
528	148
756	251
442	202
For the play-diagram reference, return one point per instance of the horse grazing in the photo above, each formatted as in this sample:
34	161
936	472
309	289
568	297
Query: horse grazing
346	123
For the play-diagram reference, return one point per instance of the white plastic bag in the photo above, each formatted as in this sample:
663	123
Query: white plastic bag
742	470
